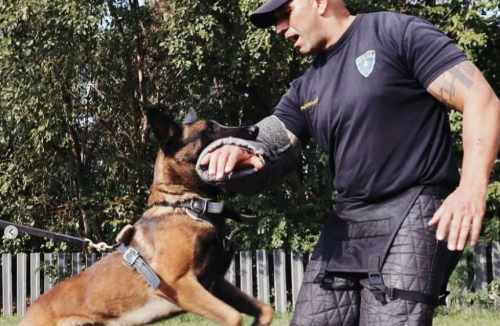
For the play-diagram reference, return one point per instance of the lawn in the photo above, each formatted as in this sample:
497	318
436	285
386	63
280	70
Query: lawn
468	317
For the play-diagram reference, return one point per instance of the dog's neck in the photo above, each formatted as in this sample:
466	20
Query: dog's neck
163	193
171	189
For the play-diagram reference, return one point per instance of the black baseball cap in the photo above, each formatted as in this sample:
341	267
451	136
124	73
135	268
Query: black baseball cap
264	16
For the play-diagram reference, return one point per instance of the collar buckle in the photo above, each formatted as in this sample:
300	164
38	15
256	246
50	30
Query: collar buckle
193	202
129	258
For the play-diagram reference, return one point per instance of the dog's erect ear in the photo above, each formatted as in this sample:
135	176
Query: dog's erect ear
191	116
163	127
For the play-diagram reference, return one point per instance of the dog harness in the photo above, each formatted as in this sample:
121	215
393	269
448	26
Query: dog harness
204	210
133	259
196	208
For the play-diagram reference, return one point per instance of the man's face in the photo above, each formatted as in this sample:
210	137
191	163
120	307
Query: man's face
297	20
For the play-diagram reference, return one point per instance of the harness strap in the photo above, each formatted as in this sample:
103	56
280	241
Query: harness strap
394	294
382	292
220	232
132	259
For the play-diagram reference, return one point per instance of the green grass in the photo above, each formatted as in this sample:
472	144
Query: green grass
194	320
9	321
468	317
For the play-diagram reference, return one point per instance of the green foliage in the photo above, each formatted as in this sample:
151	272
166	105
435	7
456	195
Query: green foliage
484	299
75	154
52	272
70	136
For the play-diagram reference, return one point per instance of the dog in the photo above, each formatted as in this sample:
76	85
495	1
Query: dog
183	246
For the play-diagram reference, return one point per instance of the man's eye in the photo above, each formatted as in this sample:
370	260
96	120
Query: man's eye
284	14
287	14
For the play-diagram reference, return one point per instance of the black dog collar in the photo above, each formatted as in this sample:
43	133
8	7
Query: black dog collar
197	205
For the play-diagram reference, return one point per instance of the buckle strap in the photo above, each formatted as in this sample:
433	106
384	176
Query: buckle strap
419	297
395	293
382	292
133	260
321	276
377	286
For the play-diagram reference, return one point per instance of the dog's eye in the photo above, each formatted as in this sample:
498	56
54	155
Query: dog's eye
212	127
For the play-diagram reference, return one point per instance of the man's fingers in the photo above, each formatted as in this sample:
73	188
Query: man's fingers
437	216
464	232
221	164
477	223
231	162
205	160
443	225
212	167
455	225
227	158
257	162
459	216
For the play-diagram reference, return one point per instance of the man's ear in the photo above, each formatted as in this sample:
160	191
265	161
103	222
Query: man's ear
162	125
191	116
321	5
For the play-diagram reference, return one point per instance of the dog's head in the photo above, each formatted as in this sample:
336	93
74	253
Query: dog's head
181	144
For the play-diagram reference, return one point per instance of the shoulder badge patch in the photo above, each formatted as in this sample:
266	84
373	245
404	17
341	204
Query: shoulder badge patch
366	62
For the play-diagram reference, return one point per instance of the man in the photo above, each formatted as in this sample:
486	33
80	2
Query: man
374	98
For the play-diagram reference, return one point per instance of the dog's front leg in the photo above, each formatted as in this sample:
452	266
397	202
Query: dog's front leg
242	302
191	296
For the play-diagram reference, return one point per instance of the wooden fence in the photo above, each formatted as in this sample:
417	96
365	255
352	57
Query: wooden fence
272	276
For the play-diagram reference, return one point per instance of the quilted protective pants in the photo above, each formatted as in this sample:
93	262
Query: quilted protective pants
416	261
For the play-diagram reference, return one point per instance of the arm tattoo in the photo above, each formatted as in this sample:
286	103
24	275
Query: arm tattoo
461	73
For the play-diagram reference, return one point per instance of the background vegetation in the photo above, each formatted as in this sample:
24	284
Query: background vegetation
76	154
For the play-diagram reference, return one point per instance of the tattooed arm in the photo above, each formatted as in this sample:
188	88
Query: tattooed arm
463	88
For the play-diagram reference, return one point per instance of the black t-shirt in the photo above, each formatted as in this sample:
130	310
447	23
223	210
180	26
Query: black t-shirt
364	101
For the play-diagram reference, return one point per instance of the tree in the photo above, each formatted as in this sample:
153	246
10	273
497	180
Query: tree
76	155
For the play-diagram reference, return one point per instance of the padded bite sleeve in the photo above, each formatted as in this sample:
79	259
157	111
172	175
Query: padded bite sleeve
275	145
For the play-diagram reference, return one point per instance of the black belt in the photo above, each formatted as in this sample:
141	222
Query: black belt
438	192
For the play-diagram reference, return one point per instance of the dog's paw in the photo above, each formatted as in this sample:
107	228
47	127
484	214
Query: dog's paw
265	317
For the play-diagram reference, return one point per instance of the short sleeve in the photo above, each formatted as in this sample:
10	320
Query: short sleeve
288	111
428	51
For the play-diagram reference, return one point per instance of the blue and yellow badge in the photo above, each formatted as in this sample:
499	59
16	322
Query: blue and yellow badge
366	62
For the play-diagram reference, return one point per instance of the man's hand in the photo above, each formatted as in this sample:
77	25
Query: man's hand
465	206
225	159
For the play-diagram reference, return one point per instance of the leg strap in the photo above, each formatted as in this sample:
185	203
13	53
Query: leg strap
382	292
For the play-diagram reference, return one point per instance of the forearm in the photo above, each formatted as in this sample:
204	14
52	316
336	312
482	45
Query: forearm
481	137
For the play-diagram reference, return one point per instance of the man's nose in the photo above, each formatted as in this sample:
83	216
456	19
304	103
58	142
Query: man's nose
282	26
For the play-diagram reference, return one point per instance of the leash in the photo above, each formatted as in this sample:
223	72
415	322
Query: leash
82	242
132	257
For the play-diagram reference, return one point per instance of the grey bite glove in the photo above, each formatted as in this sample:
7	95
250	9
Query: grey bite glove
275	145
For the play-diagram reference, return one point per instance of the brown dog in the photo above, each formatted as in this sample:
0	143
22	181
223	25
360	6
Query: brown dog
185	251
